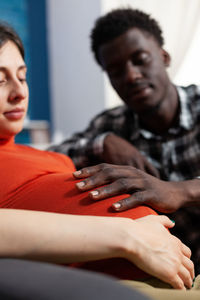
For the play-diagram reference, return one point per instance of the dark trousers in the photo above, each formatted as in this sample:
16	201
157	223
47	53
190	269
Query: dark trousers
20	279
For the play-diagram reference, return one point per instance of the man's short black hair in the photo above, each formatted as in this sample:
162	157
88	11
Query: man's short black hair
117	22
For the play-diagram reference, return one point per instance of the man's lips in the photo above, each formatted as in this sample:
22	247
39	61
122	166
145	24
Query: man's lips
14	114
139	89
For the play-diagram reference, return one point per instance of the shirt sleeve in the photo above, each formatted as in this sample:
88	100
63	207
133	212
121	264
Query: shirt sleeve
99	143
85	147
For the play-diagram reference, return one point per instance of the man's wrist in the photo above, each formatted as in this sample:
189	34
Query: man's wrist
191	192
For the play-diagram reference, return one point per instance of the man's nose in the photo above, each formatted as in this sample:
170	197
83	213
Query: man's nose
132	72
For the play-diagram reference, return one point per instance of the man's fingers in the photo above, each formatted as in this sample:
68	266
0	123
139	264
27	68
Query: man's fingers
146	166
151	170
138	164
120	175
89	183
115	171
86	172
135	200
95	176
90	171
118	187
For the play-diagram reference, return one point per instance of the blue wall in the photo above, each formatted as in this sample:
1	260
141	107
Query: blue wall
28	17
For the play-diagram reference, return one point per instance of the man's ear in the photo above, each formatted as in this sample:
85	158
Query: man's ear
166	58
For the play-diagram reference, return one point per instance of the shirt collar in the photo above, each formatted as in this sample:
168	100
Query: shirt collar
8	142
185	119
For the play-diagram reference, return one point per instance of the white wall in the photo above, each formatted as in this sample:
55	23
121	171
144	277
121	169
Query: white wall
180	22
77	91
78	88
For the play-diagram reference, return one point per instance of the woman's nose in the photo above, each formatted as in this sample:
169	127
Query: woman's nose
18	91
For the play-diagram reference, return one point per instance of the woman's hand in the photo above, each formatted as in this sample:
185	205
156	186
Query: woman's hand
62	238
154	250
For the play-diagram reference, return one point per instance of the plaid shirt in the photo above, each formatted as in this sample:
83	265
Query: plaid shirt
176	154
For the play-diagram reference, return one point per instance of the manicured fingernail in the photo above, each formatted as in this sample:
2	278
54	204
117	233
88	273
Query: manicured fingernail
77	173
94	193
193	282
80	184
116	205
172	221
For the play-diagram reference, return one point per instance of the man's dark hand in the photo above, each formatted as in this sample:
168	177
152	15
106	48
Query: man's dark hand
143	188
120	152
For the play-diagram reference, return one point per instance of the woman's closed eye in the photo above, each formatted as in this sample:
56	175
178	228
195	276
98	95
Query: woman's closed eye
22	79
3	78
2	81
22	74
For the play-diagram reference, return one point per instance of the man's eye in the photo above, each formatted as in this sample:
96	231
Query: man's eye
141	59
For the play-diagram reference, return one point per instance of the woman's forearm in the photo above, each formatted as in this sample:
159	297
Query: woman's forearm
59	237
64	238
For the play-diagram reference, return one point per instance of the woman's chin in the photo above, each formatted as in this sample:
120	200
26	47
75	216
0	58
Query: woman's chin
8	134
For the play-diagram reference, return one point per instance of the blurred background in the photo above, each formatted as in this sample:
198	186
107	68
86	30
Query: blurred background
67	88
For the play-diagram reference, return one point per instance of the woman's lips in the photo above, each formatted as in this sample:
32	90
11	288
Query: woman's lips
15	114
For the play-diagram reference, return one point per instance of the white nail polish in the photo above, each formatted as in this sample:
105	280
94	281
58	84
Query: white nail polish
80	184
94	193
77	173
116	205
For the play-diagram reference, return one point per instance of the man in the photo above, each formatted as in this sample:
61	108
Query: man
156	132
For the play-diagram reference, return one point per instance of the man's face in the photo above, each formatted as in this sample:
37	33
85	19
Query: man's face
136	66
